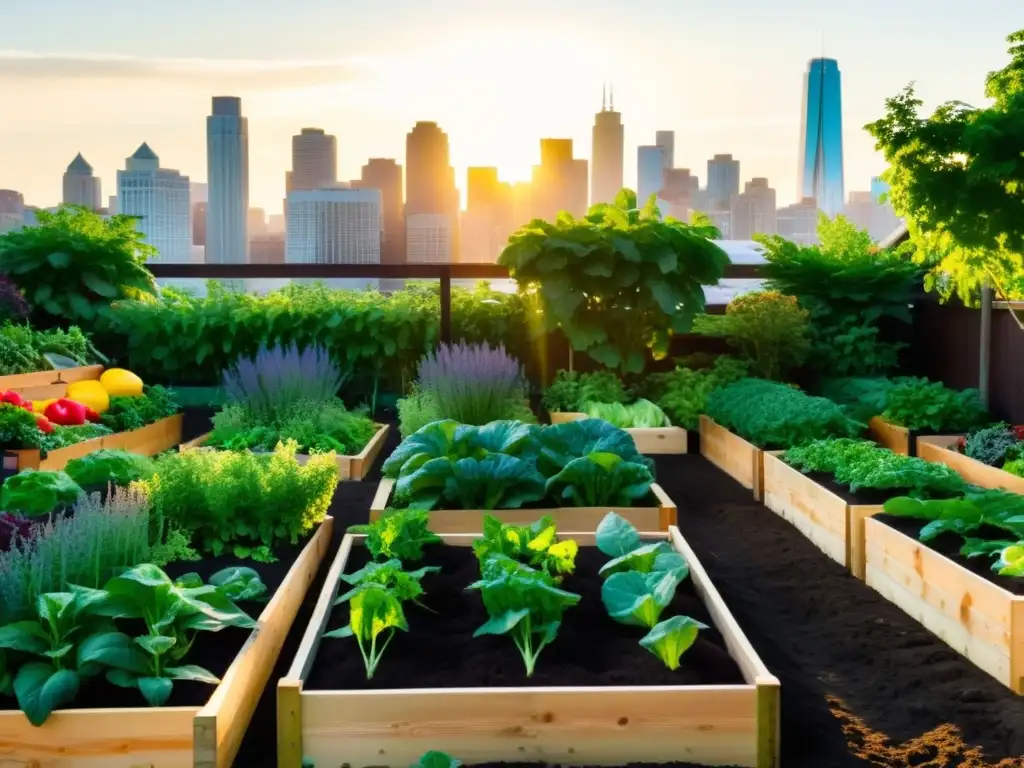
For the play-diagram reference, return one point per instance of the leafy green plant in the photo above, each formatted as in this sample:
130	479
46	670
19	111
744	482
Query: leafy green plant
683	393
19	429
316	427
670	639
373	611
128	413
774	415
768	329
405	585
641	414
523	604
571	390
35	493
26	350
1011	561
601	479
536	545
618	281
105	466
993	445
434	759
399	534
237	583
929	405
496	481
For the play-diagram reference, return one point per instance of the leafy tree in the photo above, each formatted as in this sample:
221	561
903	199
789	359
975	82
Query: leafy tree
75	263
617	281
958	177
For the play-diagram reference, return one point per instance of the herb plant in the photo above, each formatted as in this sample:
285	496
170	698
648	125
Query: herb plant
993	445
35	493
571	390
536	545
399	534
929	406
280	376
128	413
683	393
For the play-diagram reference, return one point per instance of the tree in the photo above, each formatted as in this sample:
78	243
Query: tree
617	281
75	263
958	178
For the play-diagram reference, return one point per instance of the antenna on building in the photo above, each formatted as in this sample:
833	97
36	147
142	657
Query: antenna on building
604	97
611	97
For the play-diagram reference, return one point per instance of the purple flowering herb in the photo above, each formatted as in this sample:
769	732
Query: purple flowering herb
472	383
279	377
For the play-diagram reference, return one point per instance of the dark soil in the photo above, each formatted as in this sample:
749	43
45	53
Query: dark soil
864	496
439	651
949	545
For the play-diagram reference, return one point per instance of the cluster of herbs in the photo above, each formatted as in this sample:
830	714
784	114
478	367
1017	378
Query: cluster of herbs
990	522
683	393
21	429
999	445
861	464
774	415
601	395
66	639
282	394
509	465
134	412
769	330
24	349
468	383
915	403
640	582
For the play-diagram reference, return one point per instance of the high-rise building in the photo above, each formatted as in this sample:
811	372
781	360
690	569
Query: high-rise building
607	153
429	238
227	162
487	220
650	172
799	222
199	223
12	202
199	191
339	225
821	143
667	141
385	174
430	191
559	182
160	198
753	211
267	248
866	210
723	181
81	187
314	160
256	222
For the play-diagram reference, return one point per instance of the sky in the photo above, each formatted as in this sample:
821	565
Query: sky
497	75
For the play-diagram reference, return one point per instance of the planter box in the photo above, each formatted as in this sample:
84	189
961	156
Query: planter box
733	455
900	439
833	525
172	737
649	440
349	467
657	518
148	441
614	725
940	449
42	385
977	618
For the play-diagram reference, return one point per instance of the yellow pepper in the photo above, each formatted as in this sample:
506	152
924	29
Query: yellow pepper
38	406
118	381
90	394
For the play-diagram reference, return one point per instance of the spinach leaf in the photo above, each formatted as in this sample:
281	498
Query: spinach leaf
398	534
601	479
670	639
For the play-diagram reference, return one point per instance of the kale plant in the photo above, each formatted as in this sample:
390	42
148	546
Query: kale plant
923	405
992	445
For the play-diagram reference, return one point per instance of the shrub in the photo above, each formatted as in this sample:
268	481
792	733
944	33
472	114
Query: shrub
240	501
914	403
683	393
774	415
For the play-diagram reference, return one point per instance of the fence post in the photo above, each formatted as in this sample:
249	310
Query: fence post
446	306
985	343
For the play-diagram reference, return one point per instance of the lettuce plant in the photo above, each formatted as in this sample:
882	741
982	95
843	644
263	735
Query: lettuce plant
102	467
374	611
670	639
536	545
571	390
399	534
35	493
638	415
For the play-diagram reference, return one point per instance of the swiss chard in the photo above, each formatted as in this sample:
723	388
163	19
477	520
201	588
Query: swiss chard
405	585
536	545
374	610
398	534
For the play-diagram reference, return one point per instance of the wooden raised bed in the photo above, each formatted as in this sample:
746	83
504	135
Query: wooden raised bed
614	725
172	737
733	455
940	449
976	617
653	518
833	525
349	467
46	384
649	440
149	440
900	439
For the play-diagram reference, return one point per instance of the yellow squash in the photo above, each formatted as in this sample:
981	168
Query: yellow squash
118	381
90	394
38	406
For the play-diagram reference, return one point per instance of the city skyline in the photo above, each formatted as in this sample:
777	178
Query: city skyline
71	85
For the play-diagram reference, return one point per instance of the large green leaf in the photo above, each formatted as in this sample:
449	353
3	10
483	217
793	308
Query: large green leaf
41	688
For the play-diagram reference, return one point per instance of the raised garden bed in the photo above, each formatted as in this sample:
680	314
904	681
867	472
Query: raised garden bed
649	440
733	455
46	384
596	697
830	520
656	517
900	439
149	440
184	733
349	467
941	449
978	614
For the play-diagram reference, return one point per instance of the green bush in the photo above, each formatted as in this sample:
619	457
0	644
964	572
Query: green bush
914	403
683	393
572	390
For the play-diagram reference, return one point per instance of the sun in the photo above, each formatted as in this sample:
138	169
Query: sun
513	173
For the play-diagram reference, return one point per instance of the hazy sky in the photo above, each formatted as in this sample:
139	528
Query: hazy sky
497	75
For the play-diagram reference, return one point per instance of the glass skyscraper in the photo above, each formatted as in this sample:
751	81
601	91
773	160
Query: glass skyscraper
821	146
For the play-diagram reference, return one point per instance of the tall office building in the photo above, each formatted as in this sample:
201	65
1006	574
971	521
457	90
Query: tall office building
607	153
559	182
667	141
314	160
12	202
821	143
799	222
430	191
333	226
160	198
81	187
753	211
650	172
866	211
227	163
723	181
487	221
385	174
199	223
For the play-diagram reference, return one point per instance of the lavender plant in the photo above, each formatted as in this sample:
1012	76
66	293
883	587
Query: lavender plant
472	384
95	542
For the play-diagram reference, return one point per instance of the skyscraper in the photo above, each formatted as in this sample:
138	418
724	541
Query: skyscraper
430	192
821	144
160	198
753	211
559	182
650	172
314	160
227	162
723	181
607	153
487	221
667	141
385	175
333	226
81	187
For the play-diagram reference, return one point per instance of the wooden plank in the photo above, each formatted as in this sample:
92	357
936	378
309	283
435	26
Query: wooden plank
171	737
711	725
357	467
561	417
732	454
289	723
976	617
896	439
939	448
195	442
566	518
856	545
21	381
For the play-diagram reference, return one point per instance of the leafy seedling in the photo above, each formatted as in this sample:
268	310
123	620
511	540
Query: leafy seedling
637	599
536	545
405	585
373	611
434	759
398	533
670	639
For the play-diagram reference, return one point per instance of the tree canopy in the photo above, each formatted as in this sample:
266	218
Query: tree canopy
958	178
